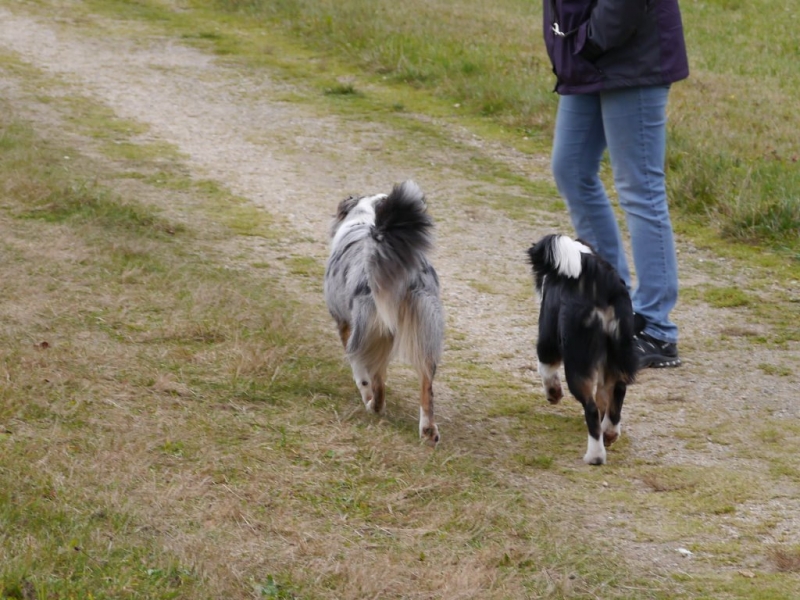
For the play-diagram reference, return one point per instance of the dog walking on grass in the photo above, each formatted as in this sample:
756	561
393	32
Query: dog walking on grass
383	293
586	323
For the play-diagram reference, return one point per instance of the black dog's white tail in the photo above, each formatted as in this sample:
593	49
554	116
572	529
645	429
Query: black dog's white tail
557	255
402	236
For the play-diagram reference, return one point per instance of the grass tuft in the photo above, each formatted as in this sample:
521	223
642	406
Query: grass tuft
87	202
342	89
726	297
786	559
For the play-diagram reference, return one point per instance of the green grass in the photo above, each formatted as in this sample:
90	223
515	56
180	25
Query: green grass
726	297
732	159
730	168
732	156
122	311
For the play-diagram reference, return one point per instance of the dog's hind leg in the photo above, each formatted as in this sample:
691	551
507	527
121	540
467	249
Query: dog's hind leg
363	381
603	399
427	424
379	379
551	381
612	420
366	349
344	332
352	339
377	355
549	355
378	394
582	388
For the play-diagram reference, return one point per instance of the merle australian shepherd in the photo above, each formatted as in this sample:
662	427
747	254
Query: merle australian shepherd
384	294
586	323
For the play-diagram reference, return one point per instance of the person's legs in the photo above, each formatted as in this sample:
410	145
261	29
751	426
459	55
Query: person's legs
578	146
634	122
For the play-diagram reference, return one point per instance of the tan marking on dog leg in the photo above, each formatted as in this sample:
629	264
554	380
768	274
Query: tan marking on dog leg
583	389
611	430
602	394
605	388
427	426
377	403
603	399
344	333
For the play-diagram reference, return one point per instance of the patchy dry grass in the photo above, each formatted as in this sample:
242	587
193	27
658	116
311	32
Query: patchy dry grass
176	420
786	559
172	428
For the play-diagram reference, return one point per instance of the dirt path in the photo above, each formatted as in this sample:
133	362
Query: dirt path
234	127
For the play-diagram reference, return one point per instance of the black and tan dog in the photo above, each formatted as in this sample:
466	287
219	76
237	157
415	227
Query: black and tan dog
586	323
384	294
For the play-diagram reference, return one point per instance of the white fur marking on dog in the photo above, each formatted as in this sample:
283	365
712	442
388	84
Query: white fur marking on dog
424	422
364	384
607	426
362	213
548	371
549	374
595	452
567	256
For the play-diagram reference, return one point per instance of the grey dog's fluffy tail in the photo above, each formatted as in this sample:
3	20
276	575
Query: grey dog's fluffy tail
402	234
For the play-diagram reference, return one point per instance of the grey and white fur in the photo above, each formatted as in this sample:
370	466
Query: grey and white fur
383	293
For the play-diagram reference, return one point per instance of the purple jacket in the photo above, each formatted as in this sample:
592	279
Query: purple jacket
600	45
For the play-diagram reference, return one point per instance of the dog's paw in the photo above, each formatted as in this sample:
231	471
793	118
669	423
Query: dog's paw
609	437
368	399
594	460
428	430
611	432
595	453
551	382
554	393
365	388
430	435
373	406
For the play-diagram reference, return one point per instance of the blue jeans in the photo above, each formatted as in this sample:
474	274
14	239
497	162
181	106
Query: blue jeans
631	123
